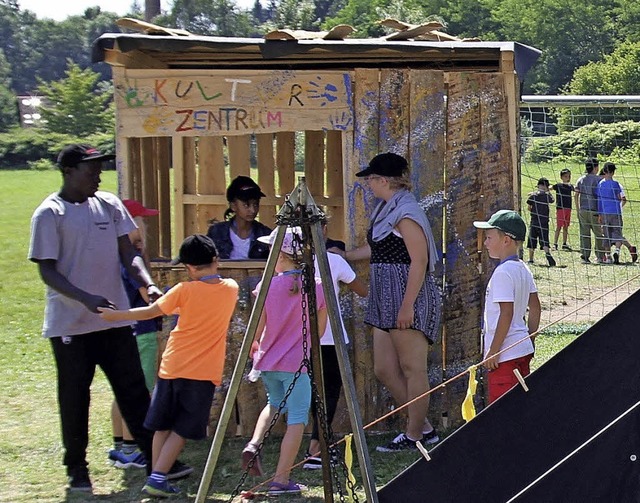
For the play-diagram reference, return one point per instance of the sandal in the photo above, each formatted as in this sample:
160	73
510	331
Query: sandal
276	489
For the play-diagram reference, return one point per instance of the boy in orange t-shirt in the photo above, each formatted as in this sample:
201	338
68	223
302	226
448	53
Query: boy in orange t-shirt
193	360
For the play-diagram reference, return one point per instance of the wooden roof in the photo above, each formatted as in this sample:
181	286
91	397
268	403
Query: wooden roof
203	52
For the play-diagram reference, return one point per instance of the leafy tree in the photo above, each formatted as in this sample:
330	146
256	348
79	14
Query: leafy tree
293	14
569	33
208	17
362	15
8	103
77	105
617	73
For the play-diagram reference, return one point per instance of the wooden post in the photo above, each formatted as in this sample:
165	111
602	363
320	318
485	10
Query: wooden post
512	93
163	153
335	185
150	192
266	176
285	161
190	187
211	179
178	188
239	155
314	163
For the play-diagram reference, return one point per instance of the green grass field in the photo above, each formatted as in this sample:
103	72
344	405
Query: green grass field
30	444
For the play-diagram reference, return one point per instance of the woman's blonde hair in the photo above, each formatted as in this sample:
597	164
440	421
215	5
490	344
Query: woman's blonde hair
400	182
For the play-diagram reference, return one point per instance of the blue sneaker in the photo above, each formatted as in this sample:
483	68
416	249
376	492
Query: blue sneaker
160	490
136	460
114	455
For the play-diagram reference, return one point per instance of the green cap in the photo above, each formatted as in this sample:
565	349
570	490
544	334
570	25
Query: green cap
508	221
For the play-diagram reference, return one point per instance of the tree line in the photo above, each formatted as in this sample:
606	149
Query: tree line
588	47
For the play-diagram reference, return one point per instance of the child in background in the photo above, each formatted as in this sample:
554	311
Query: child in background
538	203
237	237
278	355
341	272
564	195
193	360
125	453
611	199
511	289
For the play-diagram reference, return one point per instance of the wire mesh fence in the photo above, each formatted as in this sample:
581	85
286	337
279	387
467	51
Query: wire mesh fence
560	133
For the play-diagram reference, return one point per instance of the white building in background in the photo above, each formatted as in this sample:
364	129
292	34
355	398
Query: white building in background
29	107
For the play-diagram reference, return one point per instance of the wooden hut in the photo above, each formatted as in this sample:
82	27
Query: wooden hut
193	112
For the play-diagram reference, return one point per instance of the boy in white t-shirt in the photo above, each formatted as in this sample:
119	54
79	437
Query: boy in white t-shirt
510	291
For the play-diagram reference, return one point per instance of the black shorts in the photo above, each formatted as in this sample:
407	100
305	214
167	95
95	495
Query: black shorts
538	232
181	405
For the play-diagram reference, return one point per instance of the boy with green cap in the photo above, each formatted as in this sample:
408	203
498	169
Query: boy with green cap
511	289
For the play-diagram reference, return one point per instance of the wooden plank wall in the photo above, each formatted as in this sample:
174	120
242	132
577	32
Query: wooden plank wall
398	110
462	310
426	156
358	207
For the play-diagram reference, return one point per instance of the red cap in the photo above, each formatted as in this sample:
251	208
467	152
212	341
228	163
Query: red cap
136	209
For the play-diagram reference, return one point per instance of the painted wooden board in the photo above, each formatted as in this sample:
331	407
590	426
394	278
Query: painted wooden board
214	102
358	208
462	310
394	112
427	127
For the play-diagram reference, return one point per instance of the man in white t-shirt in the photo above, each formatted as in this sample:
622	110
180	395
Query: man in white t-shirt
79	239
508	344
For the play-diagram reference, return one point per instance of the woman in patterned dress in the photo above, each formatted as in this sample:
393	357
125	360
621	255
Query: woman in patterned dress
404	303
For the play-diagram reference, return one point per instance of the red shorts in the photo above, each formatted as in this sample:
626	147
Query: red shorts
563	217
503	379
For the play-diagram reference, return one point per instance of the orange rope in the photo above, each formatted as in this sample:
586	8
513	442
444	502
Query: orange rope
459	375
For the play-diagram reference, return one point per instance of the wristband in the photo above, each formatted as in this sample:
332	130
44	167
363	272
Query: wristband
150	285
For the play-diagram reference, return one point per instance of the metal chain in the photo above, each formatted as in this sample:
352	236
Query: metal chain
309	291
301	217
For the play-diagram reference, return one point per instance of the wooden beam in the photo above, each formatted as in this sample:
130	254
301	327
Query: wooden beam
314	162
148	162
211	179
285	161
190	186
335	184
190	199
132	59
164	195
512	93
177	149
266	176
239	155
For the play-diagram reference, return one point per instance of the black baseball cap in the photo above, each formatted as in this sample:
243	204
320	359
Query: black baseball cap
197	249
507	221
543	181
73	155
243	188
387	164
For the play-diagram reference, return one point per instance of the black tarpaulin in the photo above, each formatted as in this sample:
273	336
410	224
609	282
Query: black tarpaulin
574	437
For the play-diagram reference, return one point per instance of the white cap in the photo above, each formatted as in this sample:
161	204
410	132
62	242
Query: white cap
287	243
